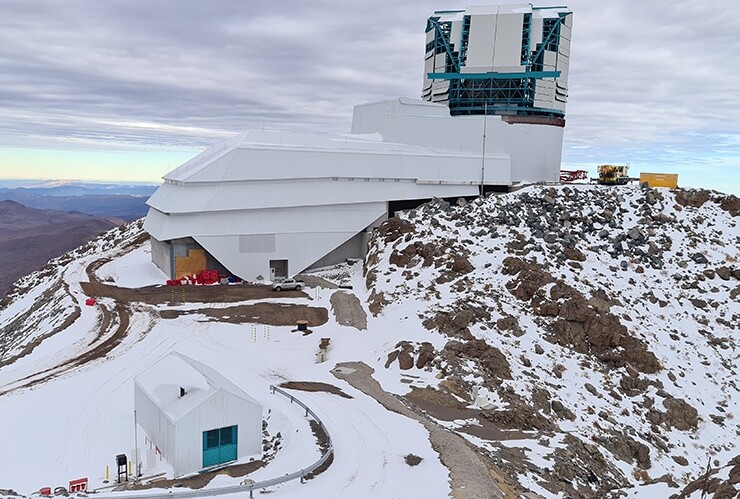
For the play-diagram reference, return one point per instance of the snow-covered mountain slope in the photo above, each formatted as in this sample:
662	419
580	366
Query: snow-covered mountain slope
67	369
601	322
582	340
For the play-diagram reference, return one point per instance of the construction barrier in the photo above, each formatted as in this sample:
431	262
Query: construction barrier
203	277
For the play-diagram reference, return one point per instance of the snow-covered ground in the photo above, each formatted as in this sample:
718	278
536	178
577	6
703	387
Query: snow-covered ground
74	424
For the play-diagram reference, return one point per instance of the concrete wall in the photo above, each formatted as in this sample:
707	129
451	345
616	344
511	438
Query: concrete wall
162	256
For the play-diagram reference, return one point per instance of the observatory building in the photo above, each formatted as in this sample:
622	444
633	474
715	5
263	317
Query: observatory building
272	204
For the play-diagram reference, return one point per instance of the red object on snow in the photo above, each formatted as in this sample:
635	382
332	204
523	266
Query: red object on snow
90	302
79	485
45	491
208	277
572	175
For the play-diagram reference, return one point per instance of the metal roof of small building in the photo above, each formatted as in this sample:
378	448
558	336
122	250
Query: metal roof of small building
162	382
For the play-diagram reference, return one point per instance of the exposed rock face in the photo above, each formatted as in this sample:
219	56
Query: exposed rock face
455	322
579	326
627	449
586	304
711	486
393	228
410	355
490	358
680	414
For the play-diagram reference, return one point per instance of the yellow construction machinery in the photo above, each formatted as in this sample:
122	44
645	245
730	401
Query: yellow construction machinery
613	174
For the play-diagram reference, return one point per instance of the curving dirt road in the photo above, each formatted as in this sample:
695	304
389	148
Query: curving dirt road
470	476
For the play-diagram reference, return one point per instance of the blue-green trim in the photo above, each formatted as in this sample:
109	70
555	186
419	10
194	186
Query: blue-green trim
464	38
440	35
517	110
448	11
526	39
555	30
493	76
551	8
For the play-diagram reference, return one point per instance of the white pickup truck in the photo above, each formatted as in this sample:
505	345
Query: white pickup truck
287	284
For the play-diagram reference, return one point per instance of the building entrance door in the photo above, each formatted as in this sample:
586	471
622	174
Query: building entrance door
219	446
278	269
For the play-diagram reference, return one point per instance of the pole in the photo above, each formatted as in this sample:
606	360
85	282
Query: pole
706	476
483	156
136	448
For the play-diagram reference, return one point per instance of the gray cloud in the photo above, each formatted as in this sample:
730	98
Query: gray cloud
650	81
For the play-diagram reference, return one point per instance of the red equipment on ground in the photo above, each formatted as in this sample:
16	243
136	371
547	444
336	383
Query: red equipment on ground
573	175
79	485
90	302
203	277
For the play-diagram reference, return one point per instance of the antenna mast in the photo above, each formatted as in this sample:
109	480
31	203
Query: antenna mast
483	156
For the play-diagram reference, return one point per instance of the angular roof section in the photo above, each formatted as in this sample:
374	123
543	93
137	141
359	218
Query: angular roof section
162	382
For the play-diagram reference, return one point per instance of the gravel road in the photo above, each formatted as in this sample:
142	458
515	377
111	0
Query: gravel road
470	476
348	310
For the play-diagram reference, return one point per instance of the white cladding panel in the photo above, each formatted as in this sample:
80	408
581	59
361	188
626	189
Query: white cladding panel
508	45
315	197
440	63
323	218
536	30
220	410
550	60
456	35
480	44
540	163
155	424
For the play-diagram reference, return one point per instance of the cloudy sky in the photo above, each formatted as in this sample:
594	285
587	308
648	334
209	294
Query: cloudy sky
129	89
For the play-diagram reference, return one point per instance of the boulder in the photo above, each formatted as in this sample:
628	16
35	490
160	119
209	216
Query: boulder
680	414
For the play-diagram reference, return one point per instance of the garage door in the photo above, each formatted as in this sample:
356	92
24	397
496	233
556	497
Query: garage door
219	446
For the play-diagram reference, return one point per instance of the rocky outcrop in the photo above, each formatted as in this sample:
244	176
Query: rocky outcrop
410	355
594	305
491	360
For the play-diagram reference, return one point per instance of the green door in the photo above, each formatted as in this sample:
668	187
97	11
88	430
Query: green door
219	446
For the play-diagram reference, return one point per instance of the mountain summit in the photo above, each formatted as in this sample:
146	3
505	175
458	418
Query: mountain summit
576	341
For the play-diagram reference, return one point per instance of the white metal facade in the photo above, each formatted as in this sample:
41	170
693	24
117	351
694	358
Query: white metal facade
266	196
176	424
264	199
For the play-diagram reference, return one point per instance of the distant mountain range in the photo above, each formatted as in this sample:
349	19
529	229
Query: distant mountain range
30	237
124	201
40	220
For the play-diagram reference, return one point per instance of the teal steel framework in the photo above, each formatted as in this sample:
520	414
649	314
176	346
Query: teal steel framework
494	93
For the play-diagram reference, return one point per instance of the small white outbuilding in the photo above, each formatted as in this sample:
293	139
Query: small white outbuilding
195	416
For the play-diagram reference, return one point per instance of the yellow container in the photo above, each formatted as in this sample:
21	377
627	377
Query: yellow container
669	180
